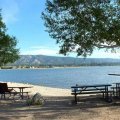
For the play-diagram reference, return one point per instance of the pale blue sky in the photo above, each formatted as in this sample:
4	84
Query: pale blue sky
23	20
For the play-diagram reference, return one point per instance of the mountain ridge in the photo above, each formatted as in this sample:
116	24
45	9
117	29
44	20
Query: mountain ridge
38	60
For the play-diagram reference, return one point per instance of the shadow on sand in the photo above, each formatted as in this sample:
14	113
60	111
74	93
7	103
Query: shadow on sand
62	108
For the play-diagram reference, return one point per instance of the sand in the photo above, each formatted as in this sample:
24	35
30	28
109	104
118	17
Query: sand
44	91
59	106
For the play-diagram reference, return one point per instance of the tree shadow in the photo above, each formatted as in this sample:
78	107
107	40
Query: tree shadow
57	108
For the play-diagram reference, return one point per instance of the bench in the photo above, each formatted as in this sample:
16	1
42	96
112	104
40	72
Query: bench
5	90
21	90
88	91
13	94
91	89
116	91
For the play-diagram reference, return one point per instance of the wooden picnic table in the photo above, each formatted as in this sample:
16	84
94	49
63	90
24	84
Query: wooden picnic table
91	89
116	89
21	90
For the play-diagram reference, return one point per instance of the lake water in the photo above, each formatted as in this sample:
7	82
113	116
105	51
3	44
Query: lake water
63	77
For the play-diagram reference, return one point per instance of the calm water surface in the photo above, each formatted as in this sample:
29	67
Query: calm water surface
63	77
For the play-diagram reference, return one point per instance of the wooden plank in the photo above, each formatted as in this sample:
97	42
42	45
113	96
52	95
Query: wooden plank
80	90
87	92
95	89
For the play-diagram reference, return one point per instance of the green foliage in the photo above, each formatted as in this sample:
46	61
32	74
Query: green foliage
8	51
83	25
30	102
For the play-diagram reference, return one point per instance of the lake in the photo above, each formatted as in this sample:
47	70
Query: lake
62	77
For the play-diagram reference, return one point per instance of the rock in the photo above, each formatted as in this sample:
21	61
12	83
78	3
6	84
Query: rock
37	99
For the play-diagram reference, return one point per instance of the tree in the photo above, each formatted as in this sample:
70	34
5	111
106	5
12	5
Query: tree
81	26
8	51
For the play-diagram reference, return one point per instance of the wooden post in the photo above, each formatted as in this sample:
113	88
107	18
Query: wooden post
75	97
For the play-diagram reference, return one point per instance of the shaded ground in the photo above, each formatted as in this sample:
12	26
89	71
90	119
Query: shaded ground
61	108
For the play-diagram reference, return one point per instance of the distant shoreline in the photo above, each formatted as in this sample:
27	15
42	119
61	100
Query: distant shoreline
54	67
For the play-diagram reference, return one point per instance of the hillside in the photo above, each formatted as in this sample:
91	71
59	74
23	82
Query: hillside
39	60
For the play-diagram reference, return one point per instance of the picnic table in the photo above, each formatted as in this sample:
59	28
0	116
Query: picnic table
116	89
91	89
21	90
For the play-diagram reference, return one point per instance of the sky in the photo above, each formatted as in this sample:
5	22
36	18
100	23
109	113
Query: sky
23	20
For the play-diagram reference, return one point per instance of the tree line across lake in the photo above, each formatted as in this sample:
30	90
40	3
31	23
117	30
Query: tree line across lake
54	66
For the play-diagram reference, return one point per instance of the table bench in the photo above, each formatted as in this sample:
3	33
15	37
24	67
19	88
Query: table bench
91	89
116	90
21	91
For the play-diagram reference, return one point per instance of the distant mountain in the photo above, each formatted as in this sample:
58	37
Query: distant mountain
37	60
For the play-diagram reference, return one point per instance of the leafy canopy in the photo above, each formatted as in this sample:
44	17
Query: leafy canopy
8	51
81	26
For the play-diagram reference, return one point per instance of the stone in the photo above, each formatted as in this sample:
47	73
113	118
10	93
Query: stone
37	99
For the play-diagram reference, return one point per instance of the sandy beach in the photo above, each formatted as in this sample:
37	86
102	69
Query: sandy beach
44	91
58	106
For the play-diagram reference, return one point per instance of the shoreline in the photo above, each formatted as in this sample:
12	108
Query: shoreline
57	67
44	91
